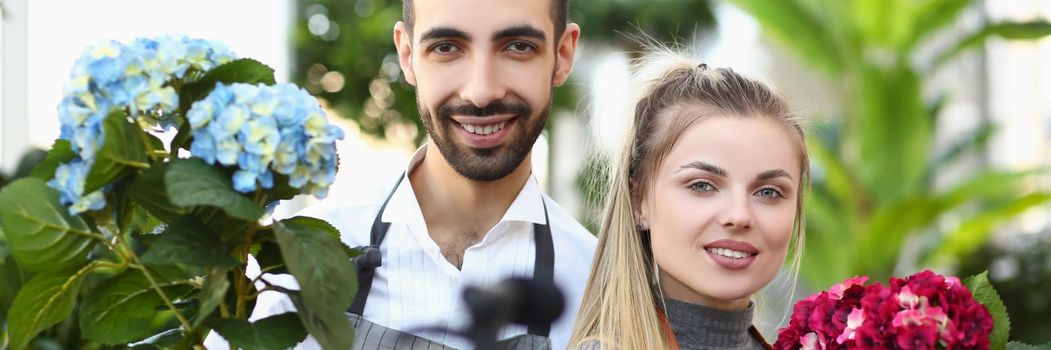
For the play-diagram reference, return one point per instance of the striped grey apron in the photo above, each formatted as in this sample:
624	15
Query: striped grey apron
368	335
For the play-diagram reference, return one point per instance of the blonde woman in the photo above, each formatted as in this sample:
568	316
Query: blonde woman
704	204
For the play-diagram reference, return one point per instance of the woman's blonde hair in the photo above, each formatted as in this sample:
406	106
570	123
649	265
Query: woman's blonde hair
622	304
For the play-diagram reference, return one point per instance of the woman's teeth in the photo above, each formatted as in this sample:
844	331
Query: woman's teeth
484	129
729	253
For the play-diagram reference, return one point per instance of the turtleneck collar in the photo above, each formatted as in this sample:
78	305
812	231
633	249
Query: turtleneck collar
701	327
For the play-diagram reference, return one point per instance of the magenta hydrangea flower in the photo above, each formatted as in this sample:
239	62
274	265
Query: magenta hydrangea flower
922	311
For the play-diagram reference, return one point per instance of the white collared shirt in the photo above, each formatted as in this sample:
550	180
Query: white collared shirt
416	287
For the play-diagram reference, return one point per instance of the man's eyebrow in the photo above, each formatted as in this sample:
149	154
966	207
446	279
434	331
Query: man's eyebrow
770	174
444	33
703	166
520	31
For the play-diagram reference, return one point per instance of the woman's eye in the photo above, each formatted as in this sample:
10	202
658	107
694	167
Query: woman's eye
702	186
769	193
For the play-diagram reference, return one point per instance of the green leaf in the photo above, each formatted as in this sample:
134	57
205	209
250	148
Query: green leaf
183	135
212	293
894	134
929	16
974	142
243	70
985	186
269	258
150	191
1005	30
974	231
43	302
882	23
829	240
122	152
11	280
798	29
41	233
1016	345
191	182
159	341
837	179
121	309
881	239
60	152
276	332
324	272
985	294
188	241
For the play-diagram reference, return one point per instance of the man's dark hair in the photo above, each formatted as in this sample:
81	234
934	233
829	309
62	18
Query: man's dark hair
559	13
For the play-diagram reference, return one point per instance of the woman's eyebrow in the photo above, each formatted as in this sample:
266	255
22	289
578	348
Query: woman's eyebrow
770	174
704	166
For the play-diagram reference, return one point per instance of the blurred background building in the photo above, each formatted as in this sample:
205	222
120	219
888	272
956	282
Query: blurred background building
929	120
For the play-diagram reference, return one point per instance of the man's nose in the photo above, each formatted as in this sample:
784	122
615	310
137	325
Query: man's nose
484	84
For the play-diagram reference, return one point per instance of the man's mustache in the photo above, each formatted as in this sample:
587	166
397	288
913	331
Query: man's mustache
499	107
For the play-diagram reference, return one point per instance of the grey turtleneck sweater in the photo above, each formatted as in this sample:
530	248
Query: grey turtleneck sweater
698	327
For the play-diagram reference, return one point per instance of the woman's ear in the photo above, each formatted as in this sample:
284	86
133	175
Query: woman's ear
642	212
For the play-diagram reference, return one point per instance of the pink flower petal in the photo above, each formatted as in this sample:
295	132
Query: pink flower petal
854	321
836	292
907	299
812	341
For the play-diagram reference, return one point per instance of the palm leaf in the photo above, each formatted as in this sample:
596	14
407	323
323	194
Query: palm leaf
1004	30
975	231
790	23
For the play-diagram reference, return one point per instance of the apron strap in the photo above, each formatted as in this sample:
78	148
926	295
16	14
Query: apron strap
366	264
371	258
544	264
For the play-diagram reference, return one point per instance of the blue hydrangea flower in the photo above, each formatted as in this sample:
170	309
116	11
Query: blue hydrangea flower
264	129
133	77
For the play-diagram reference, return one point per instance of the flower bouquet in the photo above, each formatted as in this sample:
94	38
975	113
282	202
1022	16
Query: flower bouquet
922	311
116	228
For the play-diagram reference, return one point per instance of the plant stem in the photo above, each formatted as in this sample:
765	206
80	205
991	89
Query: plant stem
240	285
153	283
224	311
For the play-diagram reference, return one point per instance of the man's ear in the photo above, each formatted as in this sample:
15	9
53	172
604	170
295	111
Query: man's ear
403	43
567	49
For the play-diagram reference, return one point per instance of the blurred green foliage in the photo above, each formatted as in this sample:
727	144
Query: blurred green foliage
873	183
1021	274
344	53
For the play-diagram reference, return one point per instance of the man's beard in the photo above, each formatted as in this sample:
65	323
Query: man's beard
488	164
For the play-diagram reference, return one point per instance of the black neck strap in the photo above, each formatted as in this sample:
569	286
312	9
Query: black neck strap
371	258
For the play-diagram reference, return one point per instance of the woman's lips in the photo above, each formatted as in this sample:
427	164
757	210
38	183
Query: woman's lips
731	254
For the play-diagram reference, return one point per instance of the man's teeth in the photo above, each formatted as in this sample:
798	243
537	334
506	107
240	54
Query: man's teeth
729	253
484	129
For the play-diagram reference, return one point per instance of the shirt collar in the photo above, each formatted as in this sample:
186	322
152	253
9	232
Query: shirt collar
404	208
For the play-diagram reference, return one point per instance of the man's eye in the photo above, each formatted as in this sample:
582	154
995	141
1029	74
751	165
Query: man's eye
445	48
520	46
